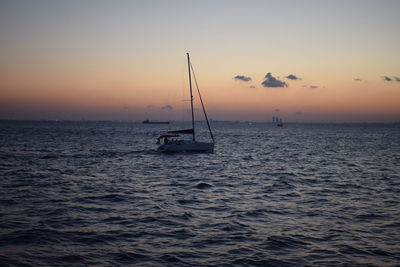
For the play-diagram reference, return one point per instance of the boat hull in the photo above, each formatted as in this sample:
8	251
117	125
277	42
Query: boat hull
186	146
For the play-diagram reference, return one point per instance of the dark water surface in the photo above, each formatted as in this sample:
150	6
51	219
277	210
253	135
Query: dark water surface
97	194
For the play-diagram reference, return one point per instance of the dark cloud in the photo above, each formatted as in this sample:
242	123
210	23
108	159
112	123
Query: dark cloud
271	81
393	79
359	80
242	78
292	77
167	107
298	113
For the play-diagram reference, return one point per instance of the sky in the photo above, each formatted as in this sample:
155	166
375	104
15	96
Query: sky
303	60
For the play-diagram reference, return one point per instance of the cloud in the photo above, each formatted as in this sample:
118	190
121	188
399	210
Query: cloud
277	110
292	77
271	81
298	113
359	80
252	86
242	78
393	79
167	107
312	86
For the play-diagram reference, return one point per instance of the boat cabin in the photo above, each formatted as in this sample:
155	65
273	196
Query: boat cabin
166	139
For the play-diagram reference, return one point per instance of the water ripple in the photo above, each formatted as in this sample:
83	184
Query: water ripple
98	194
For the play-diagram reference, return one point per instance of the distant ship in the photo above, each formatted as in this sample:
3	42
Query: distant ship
155	122
278	121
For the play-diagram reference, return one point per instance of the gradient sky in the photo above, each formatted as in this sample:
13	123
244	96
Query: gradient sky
125	60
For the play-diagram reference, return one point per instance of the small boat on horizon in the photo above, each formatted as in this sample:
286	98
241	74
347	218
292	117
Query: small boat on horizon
278	121
155	122
170	143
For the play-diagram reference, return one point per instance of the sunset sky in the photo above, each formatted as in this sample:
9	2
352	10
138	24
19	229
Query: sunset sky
304	61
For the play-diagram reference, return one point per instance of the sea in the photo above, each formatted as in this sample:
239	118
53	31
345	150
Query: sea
97	193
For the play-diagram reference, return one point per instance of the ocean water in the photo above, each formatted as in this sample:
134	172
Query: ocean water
97	194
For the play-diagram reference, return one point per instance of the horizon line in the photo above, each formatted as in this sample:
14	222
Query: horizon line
187	121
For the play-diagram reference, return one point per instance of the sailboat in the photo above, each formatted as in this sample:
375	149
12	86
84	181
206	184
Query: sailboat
170	142
279	122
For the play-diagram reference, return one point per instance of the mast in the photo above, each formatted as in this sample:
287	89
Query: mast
202	104
191	95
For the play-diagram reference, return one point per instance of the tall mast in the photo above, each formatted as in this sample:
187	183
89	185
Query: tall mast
202	103
191	95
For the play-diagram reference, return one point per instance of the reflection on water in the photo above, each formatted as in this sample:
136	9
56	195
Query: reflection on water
97	193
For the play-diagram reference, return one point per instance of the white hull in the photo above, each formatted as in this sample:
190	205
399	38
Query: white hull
186	146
